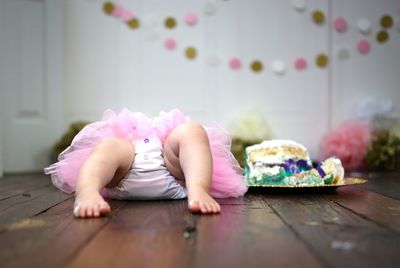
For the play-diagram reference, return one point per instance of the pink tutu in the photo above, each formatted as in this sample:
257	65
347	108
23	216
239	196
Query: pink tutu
227	178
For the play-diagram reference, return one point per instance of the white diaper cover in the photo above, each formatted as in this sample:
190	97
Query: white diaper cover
148	178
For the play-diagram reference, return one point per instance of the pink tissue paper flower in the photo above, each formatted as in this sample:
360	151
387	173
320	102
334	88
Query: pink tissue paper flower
349	143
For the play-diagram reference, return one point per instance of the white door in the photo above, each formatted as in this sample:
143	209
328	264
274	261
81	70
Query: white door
31	82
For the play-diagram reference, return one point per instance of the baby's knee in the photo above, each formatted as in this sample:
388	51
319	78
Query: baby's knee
191	128
191	132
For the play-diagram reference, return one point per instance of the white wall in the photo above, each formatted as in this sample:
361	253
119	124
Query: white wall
108	65
376	74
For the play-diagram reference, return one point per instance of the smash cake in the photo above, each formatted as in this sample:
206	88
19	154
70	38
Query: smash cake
287	163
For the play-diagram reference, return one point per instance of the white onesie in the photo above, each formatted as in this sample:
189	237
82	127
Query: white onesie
148	177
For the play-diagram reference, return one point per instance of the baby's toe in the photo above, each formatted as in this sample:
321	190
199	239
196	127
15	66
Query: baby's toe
217	208
76	210
82	212
194	206
203	207
96	211
89	212
213	208
104	208
209	208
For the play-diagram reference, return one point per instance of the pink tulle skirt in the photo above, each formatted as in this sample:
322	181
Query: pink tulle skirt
227	175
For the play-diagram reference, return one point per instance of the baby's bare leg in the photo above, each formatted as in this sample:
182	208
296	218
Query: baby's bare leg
188	156
106	165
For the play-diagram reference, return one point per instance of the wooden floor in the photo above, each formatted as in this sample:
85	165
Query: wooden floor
354	226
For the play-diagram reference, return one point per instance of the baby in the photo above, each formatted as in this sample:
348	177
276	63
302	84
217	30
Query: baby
132	157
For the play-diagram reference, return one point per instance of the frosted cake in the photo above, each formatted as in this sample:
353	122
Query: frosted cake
287	163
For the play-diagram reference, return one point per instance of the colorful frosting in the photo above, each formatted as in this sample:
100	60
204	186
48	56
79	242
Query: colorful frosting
285	162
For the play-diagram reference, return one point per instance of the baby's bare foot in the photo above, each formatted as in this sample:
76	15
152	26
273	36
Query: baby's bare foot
90	204
201	202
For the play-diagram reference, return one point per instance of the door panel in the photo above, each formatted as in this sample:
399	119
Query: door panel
31	84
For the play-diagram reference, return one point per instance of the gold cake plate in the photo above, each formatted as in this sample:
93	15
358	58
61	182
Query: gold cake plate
347	181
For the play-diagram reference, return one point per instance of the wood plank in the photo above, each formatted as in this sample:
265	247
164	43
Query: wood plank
25	196
340	237
22	188
387	184
141	234
16	177
378	208
14	185
32	203
49	239
249	234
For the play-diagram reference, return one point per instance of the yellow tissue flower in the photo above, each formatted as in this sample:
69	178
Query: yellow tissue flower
248	129
251	126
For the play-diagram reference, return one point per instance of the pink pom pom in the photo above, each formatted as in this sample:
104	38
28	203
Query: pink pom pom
363	46
170	44
191	18
349	143
235	64
300	64
126	15
118	10
340	24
